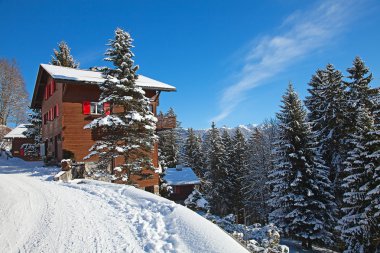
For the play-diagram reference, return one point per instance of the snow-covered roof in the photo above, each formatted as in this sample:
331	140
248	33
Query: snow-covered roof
182	176
18	132
64	73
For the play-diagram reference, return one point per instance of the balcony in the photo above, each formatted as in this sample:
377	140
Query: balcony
166	122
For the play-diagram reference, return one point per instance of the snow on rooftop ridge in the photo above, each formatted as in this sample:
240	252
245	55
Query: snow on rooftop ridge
18	132
65	73
181	176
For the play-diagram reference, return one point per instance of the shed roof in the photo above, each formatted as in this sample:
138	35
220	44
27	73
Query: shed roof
18	132
183	176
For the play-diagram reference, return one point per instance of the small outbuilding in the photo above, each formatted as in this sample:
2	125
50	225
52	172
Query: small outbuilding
183	181
16	138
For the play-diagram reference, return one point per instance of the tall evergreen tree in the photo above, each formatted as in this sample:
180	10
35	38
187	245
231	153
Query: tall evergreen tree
193	155
169	144
327	111
129	129
301	197
359	224
238	172
62	56
216	175
34	132
259	164
228	161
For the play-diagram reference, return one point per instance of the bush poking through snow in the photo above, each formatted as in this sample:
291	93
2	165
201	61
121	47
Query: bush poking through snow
196	201
256	238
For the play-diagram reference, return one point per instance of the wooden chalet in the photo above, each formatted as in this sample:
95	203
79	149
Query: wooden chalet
68	100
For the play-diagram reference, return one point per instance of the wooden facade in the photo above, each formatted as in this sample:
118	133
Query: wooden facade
62	105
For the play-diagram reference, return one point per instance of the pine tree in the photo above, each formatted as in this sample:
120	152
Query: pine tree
238	172
216	174
355	223
327	110
228	156
373	192
193	155
129	130
169	144
301	198
34	132
359	224
259	164
62	56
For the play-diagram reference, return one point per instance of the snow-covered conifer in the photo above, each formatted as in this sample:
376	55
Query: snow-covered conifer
359	225
192	152
62	56
128	129
327	112
216	174
34	132
259	164
237	173
168	144
301	198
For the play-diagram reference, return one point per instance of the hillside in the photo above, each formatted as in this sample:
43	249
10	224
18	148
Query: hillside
40	215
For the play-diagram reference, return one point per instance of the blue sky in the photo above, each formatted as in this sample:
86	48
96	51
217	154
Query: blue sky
230	60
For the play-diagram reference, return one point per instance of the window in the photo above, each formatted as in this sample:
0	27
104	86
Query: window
56	111
95	108
50	88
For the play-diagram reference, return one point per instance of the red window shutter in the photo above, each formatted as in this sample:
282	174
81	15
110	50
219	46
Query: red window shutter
46	92
86	107
107	108
56	111
52	113
52	87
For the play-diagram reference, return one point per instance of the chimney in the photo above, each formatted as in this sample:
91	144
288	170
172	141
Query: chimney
179	167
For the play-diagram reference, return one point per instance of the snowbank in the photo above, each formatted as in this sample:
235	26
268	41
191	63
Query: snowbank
40	215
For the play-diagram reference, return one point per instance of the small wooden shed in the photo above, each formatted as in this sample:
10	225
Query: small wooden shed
183	181
16	138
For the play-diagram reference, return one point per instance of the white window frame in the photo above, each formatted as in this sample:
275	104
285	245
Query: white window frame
98	108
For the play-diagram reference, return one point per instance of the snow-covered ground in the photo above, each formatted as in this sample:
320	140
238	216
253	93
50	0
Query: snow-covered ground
296	247
40	215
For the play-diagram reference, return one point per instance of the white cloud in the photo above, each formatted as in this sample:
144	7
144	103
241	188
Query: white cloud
299	35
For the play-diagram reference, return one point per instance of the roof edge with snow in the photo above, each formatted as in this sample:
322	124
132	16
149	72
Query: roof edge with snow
90	77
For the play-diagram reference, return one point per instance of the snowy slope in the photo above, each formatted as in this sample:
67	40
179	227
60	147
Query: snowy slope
39	215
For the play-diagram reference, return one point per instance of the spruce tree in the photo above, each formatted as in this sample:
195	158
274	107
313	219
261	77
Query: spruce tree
193	155
216	174
327	112
168	144
301	198
359	224
62	57
129	130
228	156
355	224
259	164
34	132
238	172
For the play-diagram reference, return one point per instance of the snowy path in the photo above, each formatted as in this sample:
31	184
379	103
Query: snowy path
38	215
